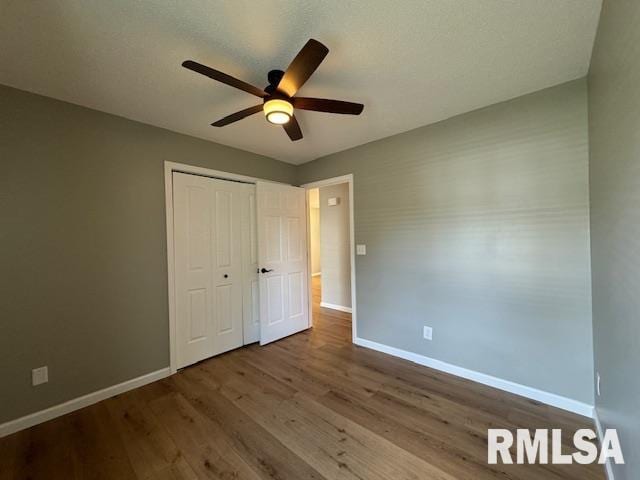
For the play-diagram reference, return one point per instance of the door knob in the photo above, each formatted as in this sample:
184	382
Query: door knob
264	270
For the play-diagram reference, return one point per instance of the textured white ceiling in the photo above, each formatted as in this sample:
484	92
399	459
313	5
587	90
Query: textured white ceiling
411	62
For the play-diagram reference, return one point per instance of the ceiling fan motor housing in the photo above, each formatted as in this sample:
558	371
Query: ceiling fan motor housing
274	77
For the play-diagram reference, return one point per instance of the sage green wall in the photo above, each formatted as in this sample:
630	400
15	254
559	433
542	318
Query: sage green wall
83	258
479	227
614	131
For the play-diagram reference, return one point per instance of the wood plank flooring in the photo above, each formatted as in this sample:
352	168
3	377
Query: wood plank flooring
311	406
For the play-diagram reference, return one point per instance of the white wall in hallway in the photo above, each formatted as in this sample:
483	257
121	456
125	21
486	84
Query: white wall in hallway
314	231
334	246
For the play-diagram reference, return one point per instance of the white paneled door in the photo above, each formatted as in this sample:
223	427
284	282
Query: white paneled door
282	259
209	274
250	297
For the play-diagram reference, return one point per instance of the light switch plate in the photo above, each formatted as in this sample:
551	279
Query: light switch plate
361	249
427	333
39	375
333	201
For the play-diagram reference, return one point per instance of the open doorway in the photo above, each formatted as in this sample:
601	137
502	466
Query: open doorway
331	250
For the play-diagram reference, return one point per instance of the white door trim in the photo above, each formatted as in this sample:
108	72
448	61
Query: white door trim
169	168
325	183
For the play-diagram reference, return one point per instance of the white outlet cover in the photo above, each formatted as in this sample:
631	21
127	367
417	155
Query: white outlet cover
427	333
39	376
361	249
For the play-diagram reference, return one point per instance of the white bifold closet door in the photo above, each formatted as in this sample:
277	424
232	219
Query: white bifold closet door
250	290
211	271
282	258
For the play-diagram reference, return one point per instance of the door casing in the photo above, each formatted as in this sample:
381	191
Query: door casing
352	247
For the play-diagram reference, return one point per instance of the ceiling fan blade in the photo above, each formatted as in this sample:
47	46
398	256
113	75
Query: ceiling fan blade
223	77
292	127
234	117
302	67
326	105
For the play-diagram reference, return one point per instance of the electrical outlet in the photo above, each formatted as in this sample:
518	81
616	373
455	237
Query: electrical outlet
427	333
361	249
598	383
39	375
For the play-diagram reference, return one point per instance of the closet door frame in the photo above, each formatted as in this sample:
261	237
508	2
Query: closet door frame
169	168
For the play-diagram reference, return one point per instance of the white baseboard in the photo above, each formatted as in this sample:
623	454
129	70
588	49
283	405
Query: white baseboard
548	398
77	403
335	307
599	428
316	274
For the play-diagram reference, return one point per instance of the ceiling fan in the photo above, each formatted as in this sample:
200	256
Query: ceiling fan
278	97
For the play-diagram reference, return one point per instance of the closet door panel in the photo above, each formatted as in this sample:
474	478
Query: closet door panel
209	280
251	299
193	268
227	268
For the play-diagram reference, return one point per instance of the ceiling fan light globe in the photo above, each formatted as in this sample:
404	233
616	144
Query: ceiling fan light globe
278	111
278	118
